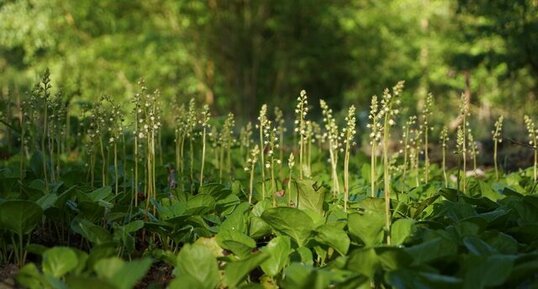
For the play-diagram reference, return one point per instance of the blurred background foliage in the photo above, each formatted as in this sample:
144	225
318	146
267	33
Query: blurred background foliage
239	54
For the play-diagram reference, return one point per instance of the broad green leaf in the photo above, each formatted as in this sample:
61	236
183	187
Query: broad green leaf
279	250
392	258
100	194
121	274
47	201
432	250
108	267
212	244
303	255
366	172
196	265
134	226
90	231
291	222
30	277
488	192
237	242
58	261
486	271
411	279
476	246
363	261
186	282
368	227
334	237
237	271
525	269
99	252
200	204
299	276
260	207
258	227
20	216
311	196
423	206
237	220
169	209
227	202
503	243
130	273
82	258
80	282
401	229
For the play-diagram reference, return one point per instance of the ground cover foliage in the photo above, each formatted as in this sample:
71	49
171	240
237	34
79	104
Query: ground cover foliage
117	197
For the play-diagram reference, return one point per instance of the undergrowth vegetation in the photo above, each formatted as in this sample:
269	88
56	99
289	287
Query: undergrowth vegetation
113	194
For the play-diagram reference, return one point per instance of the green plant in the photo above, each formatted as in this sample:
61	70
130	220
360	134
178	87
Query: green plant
388	112
180	131
497	139
375	137
19	217
148	123
291	164
408	141
415	152
190	125
204	122
42	94
533	142
115	135
348	135
301	111
226	140
333	135
263	125
473	148
251	165
461	140
443	137
97	127
280	125
425	126
245	139
308	139
272	144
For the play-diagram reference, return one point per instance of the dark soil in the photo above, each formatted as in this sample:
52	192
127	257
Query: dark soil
158	276
7	275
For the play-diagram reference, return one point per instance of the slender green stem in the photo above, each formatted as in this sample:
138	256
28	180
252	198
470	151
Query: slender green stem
103	162
386	176
273	182
135	185
191	148
372	169
44	136
262	160
535	164
288	189
178	149
251	183
444	166
495	160
203	156
346	176
334	174
116	167
221	161
426	156
124	162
